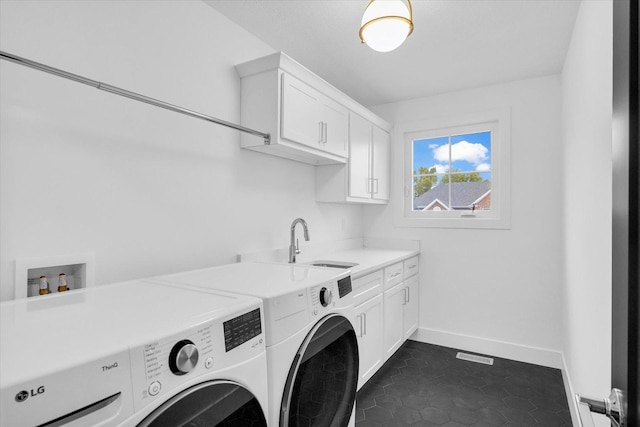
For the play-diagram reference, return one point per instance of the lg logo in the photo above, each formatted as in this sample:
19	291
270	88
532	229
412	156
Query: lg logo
24	394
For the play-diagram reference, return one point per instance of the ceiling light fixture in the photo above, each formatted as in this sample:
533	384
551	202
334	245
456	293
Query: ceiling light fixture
386	24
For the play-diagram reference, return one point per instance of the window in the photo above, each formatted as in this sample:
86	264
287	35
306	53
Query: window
452	172
456	172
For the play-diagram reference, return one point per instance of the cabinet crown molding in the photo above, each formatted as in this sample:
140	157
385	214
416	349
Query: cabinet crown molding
283	62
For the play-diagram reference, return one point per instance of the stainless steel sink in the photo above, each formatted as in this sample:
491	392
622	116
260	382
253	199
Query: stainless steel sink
332	264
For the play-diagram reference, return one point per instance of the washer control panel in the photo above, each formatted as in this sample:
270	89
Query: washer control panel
160	366
330	295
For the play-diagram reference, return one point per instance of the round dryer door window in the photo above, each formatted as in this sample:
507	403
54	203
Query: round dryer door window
210	404
321	386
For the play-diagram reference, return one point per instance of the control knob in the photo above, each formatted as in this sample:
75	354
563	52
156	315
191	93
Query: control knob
183	357
325	296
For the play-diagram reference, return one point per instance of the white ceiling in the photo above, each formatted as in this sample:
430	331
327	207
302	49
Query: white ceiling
456	44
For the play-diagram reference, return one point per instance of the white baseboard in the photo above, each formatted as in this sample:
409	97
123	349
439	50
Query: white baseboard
537	356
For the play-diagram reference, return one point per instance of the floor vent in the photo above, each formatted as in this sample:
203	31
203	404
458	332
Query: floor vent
474	358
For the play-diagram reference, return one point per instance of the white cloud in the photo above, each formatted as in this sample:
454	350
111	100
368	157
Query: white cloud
441	168
483	167
473	153
441	153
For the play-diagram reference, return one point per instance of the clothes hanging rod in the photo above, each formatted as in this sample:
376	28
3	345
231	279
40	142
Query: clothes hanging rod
132	95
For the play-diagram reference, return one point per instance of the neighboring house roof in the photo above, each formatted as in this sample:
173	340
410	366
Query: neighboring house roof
436	205
463	195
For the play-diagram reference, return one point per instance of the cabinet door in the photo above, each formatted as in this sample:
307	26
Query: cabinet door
359	158
300	113
336	128
369	329
381	158
393	326
411	305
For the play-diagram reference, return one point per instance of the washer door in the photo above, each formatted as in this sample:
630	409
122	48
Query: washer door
321	387
213	403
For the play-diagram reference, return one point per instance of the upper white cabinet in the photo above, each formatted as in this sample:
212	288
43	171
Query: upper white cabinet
307	118
380	164
336	127
357	176
312	119
366	177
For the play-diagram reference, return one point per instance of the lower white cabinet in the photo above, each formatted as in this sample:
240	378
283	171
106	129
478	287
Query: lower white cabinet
386	313
393	327
411	310
400	314
369	329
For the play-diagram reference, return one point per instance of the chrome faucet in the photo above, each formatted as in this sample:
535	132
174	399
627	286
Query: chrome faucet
293	247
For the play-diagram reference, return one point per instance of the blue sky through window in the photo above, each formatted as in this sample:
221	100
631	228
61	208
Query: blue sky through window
467	153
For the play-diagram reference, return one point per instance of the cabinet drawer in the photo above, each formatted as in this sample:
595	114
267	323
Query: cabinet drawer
411	266
392	275
366	287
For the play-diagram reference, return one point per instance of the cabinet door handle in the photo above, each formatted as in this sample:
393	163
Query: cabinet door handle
324	141
320	132
404	296
408	294
365	323
375	181
361	324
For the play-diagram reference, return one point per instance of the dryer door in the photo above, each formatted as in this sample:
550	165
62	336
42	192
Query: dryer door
321	386
212	403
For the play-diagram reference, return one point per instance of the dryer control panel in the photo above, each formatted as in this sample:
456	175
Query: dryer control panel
241	329
161	365
344	286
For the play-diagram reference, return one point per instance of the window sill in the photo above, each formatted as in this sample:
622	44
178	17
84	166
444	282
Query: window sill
465	221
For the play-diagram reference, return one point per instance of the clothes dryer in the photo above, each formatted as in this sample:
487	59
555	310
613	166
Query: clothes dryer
312	350
139	353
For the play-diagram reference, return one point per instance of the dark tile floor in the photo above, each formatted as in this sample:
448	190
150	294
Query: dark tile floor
425	385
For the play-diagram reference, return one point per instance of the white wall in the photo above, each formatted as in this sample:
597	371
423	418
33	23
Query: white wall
146	190
494	286
150	192
586	111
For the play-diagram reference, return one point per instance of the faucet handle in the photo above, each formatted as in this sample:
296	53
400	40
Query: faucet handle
297	246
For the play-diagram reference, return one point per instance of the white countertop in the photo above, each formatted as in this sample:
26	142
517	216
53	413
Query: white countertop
369	254
264	280
367	259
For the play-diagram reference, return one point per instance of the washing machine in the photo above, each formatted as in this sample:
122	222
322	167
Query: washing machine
312	349
140	353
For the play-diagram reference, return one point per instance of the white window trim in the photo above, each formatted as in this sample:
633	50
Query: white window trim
498	217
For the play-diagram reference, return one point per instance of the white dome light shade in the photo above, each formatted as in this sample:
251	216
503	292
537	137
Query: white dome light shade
386	24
